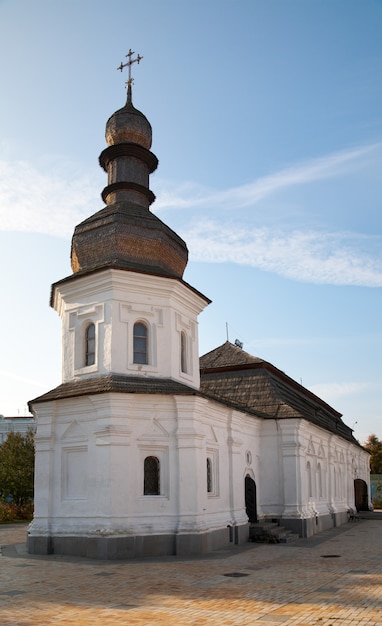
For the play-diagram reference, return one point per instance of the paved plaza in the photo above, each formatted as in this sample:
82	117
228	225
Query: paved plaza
334	578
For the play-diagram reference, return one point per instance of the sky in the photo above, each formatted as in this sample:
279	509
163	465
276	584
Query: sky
267	123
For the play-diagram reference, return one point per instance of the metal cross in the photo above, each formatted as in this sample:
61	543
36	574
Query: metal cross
128	64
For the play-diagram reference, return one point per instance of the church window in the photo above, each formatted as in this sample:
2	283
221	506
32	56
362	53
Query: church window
340	486
209	476
309	476
335	483
90	345
183	352
319	476
151	486
140	343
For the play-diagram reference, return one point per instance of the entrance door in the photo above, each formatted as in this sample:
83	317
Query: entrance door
250	499
360	495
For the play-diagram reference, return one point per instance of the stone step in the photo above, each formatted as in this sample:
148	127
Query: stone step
271	532
290	537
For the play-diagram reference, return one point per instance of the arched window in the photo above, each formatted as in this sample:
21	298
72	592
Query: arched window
340	491
209	476
309	476
90	345
319	476
140	343
335	483
151	484
183	352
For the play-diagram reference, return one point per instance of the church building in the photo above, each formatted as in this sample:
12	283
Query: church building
144	449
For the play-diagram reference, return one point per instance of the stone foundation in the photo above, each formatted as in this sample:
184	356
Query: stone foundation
312	526
130	547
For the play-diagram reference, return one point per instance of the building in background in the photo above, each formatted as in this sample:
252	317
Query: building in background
17	424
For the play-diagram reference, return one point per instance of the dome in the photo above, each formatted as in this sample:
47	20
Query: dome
125	234
128	125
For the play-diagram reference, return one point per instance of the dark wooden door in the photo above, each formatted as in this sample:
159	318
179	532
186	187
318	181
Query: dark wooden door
360	495
250	499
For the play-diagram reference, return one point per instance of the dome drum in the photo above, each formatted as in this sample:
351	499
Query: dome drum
128	169
128	150
125	191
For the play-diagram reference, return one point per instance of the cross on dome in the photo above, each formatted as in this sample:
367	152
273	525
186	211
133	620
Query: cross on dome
128	64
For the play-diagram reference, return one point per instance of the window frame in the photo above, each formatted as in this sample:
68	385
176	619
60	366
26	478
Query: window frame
309	479
319	481
157	477
212	473
90	353
144	337
183	352
210	480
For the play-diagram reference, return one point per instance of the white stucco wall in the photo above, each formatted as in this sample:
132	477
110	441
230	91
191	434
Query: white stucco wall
90	457
113	300
91	451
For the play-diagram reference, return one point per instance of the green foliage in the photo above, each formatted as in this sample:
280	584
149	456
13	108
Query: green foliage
7	513
374	446
17	469
12	513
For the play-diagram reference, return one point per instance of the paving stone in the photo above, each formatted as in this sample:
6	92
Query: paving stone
288	584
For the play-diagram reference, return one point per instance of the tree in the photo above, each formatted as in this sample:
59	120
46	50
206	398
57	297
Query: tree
17	468
374	446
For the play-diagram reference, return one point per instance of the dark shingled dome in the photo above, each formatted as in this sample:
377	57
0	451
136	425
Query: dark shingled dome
128	125
125	234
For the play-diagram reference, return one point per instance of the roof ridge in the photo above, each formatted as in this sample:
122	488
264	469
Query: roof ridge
227	355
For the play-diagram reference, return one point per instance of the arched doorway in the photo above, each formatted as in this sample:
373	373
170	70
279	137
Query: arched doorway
250	499
360	495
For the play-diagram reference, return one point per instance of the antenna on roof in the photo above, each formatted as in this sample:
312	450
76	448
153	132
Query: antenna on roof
226	330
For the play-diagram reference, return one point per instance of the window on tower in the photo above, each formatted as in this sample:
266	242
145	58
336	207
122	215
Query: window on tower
90	345
183	352
140	343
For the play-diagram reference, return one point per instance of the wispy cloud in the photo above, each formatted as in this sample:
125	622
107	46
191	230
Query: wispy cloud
34	201
326	258
16	377
52	200
332	391
195	196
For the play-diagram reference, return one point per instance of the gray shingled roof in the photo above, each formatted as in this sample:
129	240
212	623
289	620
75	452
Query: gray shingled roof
227	355
115	383
229	374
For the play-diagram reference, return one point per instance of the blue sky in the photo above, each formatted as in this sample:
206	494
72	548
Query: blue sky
267	123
